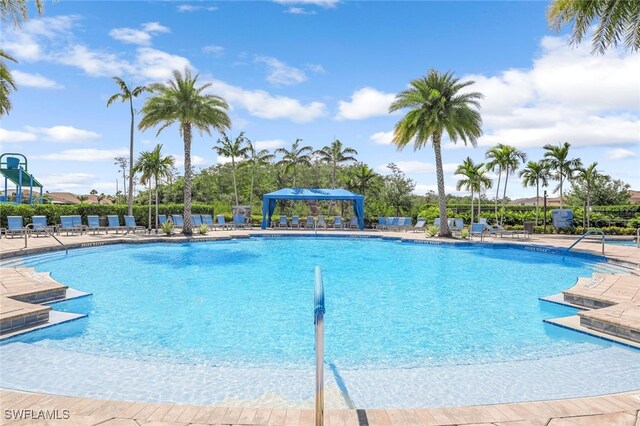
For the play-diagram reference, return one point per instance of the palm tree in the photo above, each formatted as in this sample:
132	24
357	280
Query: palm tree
556	159
362	176
334	155
153	165
180	101
474	179
18	10
125	95
6	83
294	157
255	159
589	176
616	19
505	158
484	182
232	149
436	106
496	157
535	173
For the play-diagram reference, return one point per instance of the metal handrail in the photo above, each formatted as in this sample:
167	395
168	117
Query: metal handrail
591	231
638	237
318	321
47	231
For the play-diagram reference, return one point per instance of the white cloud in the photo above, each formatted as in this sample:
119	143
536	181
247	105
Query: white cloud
87	154
194	8
16	136
156	65
213	49
416	167
317	68
260	103
269	144
321	3
26	43
64	133
131	36
620	153
281	74
365	103
155	27
299	11
221	159
196	161
382	138
94	63
34	80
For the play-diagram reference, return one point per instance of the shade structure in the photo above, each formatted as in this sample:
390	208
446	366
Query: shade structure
303	194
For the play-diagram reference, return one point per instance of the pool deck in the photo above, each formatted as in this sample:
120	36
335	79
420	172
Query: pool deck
618	409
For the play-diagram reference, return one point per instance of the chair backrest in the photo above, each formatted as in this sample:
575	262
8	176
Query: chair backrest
130	221
283	220
482	220
408	221
238	219
338	220
113	220
354	221
220	219
162	218
421	222
309	220
14	222
321	220
76	220
477	228
459	223
66	222
93	221
177	219
382	220
295	219
436	221
394	221
196	219
39	222
207	219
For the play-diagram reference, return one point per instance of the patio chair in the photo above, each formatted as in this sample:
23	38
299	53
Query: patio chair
420	224
93	222
477	229
382	223
513	233
196	220
406	224
207	219
40	226
114	223
393	223
14	226
68	224
436	222
283	222
221	222
482	220
456	225
295	221
353	223
337	222
310	223
321	222
77	222
130	225
178	220
162	218
239	221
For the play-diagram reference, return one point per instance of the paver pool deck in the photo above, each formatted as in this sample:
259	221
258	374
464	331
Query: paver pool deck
618	409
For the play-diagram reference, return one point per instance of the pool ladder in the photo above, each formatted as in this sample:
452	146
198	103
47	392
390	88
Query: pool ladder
318	322
589	232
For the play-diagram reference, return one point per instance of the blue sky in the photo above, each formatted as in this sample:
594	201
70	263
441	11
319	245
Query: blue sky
316	70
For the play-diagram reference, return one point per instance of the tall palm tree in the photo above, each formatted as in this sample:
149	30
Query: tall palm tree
497	160
362	176
18	10
6	83
232	149
534	174
152	164
294	157
616	19
335	155
255	159
436	105
180	101
127	95
589	176
512	159
556	159
474	179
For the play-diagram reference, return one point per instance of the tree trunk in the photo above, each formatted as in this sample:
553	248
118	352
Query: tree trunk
156	188
333	175
444	226
253	176
497	194
560	190
479	204
149	222
186	229
588	207
471	206
235	186
130	195
504	195
537	199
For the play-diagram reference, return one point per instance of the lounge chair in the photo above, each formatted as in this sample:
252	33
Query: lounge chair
162	218
382	223
178	220
456	225
40	226
93	222
407	223
321	222
221	222
114	223
207	219
239	221
196	220
14	226
420	224
482	220
77	222
513	233
295	221
68	224
337	222
130	225
477	229
310	223
283	222
353	223
436	222
393	223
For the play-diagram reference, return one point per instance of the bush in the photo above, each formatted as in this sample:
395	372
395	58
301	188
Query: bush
432	230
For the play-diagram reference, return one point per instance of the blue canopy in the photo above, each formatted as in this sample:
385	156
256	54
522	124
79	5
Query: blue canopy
269	200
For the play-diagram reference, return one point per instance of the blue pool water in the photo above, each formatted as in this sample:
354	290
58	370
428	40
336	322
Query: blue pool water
248	304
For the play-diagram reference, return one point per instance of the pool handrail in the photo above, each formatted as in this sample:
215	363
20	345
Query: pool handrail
318	321
638	237
45	230
589	232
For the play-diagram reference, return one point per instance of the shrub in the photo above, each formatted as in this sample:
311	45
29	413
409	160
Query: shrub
167	227
464	233
432	230
203	229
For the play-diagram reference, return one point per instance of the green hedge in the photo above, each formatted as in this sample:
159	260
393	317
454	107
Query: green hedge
54	211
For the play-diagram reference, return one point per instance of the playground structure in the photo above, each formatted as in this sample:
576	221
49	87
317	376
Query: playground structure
17	171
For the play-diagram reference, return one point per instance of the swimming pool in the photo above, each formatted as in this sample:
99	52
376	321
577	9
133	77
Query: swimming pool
198	323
